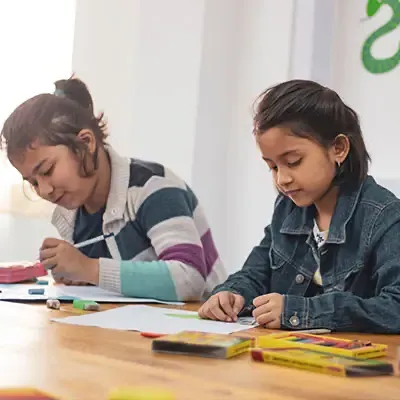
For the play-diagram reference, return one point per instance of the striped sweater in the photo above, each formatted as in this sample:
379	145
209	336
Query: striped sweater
162	246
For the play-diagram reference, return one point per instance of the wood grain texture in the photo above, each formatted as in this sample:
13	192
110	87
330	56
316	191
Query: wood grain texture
85	363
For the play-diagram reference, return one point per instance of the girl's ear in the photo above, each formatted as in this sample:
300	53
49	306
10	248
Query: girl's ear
340	148
87	136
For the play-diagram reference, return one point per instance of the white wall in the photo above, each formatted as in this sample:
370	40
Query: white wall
263	60
36	50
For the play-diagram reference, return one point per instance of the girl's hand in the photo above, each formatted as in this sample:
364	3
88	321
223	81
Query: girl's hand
68	282
268	310
223	306
68	263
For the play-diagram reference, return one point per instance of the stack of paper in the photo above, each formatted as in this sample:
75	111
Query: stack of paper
94	293
154	320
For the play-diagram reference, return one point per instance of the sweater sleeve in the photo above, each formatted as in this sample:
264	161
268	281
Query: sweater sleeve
164	210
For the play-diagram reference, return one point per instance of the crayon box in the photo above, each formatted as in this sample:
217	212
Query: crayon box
202	344
21	271
325	344
325	363
24	393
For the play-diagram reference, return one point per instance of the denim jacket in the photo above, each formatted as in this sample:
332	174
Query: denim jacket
359	264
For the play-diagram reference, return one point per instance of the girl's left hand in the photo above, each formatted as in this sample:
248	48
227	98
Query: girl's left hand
68	262
268	310
68	282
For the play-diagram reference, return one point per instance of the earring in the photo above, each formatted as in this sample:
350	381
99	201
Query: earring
338	163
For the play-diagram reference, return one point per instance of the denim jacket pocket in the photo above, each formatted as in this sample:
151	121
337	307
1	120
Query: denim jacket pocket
282	273
276	260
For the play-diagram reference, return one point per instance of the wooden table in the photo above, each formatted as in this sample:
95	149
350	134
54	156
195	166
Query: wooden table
85	363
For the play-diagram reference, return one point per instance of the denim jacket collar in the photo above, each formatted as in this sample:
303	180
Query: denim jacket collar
301	219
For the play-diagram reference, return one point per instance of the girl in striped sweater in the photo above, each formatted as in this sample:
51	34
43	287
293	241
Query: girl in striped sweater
157	240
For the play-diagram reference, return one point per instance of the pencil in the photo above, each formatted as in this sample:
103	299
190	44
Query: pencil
92	241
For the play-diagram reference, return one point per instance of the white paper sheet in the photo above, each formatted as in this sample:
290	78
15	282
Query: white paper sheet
152	319
20	292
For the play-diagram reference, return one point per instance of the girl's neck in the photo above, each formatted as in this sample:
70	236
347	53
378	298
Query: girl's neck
99	196
325	208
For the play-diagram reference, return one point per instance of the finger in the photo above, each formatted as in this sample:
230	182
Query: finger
226	301
57	276
217	314
208	314
50	242
265	319
238	305
64	280
50	263
258	301
203	310
265	308
47	253
57	279
275	324
216	311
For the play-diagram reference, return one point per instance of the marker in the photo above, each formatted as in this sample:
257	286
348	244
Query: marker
86	243
314	331
151	335
249	309
92	241
41	282
36	291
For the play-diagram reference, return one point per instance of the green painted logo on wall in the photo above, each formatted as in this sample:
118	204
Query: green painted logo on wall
381	65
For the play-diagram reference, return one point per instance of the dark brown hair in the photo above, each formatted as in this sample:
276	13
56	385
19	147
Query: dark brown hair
56	119
313	111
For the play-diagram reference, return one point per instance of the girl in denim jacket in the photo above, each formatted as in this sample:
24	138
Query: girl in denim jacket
331	256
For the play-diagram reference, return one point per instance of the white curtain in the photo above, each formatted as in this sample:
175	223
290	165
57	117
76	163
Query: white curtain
36	42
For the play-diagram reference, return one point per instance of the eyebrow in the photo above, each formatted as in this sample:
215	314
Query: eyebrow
36	169
286	153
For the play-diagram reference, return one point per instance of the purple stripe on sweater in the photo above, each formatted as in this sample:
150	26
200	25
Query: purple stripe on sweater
190	254
210	250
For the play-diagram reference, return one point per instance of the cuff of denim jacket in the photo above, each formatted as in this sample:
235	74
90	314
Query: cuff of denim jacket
295	314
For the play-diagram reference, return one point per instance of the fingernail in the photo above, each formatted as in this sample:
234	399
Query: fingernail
229	319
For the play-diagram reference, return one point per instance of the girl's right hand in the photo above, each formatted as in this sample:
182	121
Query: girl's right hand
222	306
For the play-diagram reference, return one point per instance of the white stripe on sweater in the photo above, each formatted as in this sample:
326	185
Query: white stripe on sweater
173	231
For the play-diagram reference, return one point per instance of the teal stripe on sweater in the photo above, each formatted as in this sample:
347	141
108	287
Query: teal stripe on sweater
147	279
164	204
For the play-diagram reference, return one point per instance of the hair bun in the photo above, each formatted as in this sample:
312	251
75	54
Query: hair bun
74	89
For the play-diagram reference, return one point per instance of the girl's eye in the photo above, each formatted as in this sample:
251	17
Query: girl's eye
274	168
295	163
48	172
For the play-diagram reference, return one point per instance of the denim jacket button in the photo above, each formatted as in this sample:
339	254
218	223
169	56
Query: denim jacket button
294	320
299	278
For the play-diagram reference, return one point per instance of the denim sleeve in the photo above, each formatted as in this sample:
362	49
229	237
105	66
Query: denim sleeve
343	311
254	277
